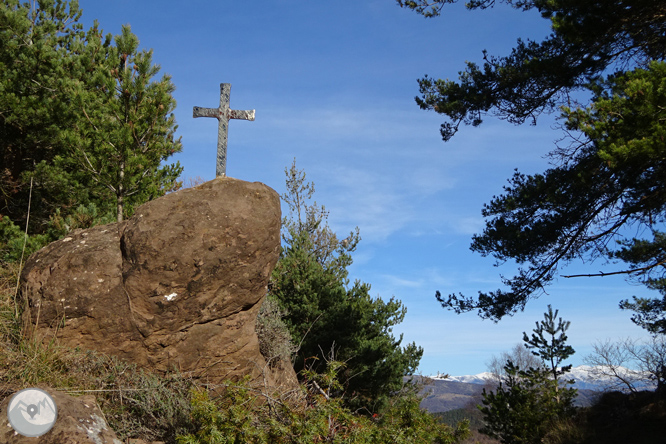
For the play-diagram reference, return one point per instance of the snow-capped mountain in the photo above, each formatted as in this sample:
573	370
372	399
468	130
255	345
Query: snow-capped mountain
584	376
601	377
480	378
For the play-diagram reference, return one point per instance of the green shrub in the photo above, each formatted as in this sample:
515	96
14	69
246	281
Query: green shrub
13	240
85	216
241	414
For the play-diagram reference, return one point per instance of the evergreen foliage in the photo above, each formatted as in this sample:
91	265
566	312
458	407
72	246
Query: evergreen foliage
125	127
548	342
329	319
616	418
525	406
80	116
470	414
36	72
588	37
641	254
238	416
611	181
607	182
528	402
13	240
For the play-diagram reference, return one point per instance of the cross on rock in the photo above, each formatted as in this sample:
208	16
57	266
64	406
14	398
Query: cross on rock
223	114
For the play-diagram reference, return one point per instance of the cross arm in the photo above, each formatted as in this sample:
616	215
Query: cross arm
242	115
198	111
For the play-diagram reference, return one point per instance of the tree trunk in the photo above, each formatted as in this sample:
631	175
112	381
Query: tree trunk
120	191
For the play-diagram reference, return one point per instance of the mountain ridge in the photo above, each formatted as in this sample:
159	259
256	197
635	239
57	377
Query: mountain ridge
442	394
584	376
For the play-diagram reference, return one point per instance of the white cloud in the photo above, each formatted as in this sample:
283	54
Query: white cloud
468	225
374	203
397	282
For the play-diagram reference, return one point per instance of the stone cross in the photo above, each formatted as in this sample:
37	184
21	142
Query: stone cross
223	114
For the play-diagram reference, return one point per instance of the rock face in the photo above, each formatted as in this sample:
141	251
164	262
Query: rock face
178	285
79	421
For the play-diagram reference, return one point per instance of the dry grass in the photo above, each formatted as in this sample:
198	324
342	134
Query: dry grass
136	403
9	310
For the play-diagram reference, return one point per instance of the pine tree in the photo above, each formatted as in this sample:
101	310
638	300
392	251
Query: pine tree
588	38
524	406
328	318
548	342
126	127
37	71
80	117
528	401
609	179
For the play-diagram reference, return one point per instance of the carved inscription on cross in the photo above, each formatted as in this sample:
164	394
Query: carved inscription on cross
223	114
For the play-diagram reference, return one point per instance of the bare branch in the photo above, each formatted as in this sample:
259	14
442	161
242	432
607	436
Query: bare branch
602	274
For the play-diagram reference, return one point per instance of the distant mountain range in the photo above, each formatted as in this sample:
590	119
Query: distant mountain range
443	394
584	376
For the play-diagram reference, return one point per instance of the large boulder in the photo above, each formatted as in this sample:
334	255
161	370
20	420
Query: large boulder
178	285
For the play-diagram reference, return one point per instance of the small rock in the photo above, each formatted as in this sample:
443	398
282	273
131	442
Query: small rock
76	423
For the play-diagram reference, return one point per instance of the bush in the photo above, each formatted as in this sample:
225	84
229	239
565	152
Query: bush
13	241
136	403
275	341
616	418
170	408
243	415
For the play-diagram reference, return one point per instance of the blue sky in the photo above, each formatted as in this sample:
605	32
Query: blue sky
333	85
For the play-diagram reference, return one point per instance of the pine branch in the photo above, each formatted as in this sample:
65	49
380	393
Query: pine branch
602	274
